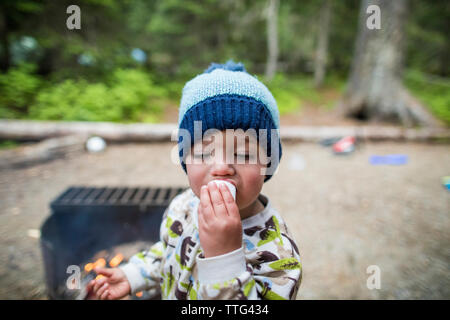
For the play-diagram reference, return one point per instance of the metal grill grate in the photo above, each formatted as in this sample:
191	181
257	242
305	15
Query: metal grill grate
120	196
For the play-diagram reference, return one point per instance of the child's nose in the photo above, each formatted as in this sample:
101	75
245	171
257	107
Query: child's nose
221	168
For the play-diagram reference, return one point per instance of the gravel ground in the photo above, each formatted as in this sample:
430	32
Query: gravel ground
345	214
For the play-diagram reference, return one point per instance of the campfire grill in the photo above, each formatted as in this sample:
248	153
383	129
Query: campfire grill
86	220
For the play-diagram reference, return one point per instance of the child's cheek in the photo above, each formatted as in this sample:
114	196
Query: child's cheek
251	187
195	177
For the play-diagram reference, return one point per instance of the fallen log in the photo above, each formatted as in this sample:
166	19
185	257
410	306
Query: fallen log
22	130
30	130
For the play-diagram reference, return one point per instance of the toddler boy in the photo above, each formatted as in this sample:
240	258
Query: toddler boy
214	244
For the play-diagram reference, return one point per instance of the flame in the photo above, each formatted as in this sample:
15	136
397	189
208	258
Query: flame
114	262
139	294
100	263
91	266
99	277
88	267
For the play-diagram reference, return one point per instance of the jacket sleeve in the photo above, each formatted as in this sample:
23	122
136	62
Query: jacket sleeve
271	271
143	270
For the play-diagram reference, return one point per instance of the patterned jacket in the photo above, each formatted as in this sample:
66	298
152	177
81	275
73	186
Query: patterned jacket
267	266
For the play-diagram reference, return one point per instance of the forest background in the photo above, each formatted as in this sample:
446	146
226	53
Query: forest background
130	59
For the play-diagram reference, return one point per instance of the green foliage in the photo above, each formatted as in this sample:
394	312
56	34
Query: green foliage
288	92
128	95
135	93
76	100
432	91
17	90
8	144
427	25
288	99
291	92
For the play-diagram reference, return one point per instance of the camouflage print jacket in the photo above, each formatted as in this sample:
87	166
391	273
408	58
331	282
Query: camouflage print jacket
267	266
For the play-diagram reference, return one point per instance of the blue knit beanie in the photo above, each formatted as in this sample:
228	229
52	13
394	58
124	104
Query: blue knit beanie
223	97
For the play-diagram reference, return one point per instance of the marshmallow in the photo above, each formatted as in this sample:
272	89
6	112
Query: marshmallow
230	186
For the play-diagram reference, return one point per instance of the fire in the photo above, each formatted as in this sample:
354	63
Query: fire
88	267
100	263
91	266
139	294
114	262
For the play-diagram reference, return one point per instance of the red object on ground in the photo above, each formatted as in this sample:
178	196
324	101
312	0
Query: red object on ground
345	145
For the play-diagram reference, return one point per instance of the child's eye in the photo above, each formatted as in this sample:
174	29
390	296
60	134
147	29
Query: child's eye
242	155
201	155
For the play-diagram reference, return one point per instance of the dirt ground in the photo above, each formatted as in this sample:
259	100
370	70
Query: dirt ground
345	214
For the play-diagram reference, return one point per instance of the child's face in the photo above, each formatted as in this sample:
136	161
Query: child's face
209	162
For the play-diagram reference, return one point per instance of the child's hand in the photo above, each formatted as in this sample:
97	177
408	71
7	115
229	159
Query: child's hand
114	284
220	227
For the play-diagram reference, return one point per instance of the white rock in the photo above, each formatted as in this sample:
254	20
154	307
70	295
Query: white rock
34	233
95	144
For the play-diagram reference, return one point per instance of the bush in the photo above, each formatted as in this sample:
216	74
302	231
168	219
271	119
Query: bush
18	88
57	102
127	95
136	95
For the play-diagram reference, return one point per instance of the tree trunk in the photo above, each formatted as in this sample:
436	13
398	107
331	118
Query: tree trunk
322	43
5	59
272	39
47	62
375	90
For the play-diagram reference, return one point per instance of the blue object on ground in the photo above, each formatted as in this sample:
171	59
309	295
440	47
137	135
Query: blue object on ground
446	182
390	159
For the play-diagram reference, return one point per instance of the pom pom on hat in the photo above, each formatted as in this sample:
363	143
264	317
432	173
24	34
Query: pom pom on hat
230	65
